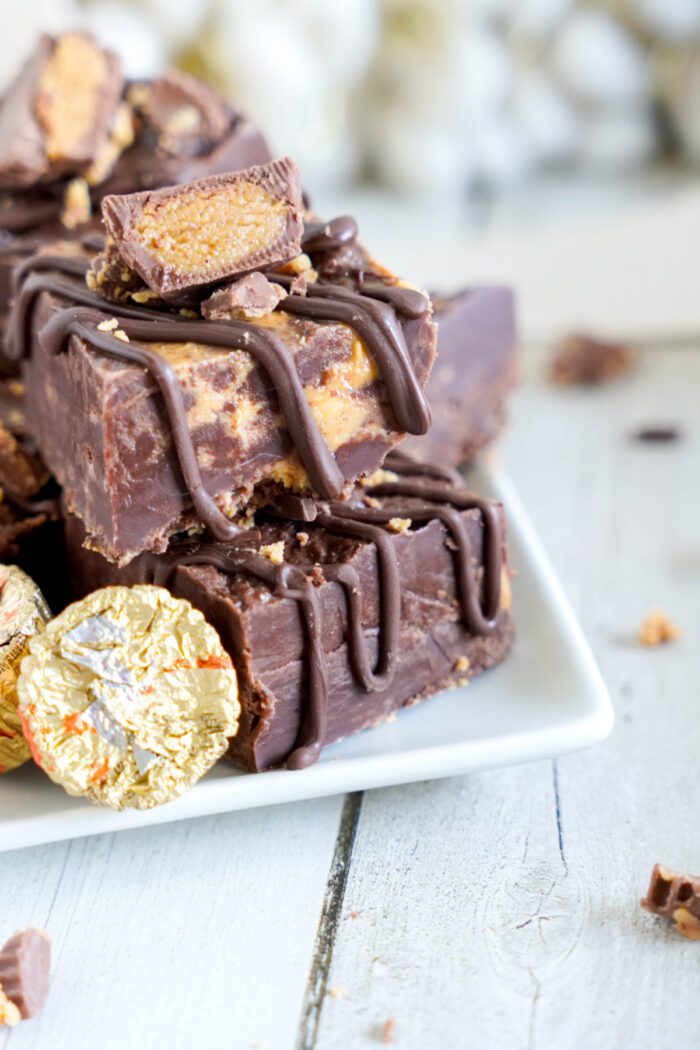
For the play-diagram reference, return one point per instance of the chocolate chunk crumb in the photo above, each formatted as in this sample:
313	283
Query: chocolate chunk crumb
110	277
583	360
658	434
676	897
250	297
656	629
388	1031
300	283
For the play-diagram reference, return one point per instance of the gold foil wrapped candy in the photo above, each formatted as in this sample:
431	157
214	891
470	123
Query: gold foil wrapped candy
128	697
22	612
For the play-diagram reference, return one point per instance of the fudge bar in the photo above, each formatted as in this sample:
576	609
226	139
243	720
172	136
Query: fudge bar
155	420
72	131
475	371
336	619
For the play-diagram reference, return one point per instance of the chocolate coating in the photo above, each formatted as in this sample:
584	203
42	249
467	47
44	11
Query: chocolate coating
25	969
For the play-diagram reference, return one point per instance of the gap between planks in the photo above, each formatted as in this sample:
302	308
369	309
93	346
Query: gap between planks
334	896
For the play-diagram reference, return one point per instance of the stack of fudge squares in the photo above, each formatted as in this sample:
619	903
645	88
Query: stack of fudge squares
210	389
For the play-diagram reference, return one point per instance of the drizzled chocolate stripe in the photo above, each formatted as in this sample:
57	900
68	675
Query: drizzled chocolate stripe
377	325
390	601
329	236
402	464
288	581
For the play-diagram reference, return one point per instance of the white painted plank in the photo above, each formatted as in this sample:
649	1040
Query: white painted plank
194	935
475	929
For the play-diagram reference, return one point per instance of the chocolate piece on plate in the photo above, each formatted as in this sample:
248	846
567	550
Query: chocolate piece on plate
677	897
336	621
177	422
25	970
57	114
186	238
474	374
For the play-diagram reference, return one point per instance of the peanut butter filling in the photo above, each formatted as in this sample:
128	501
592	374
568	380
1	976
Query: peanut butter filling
206	231
341	415
68	94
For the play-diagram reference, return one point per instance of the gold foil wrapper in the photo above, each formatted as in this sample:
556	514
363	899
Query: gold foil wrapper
22	613
128	697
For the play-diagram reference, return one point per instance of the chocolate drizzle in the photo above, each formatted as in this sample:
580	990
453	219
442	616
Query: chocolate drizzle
375	321
377	325
422	500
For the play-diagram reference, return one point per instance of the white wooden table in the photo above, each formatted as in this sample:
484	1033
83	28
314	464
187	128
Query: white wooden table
495	911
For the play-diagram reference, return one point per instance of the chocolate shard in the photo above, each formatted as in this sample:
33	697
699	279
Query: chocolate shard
25	967
677	897
186	116
56	116
251	296
335	621
195	236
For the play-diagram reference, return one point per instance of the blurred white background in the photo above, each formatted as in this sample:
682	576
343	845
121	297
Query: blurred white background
421	95
551	144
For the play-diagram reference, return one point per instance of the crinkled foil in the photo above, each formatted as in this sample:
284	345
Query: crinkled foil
22	612
128	697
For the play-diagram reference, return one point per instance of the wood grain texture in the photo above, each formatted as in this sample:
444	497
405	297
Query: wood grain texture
195	935
501	910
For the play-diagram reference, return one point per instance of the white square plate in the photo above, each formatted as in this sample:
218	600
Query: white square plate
547	698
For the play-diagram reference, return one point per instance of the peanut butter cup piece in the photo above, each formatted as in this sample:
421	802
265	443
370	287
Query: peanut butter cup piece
25	965
189	237
58	113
